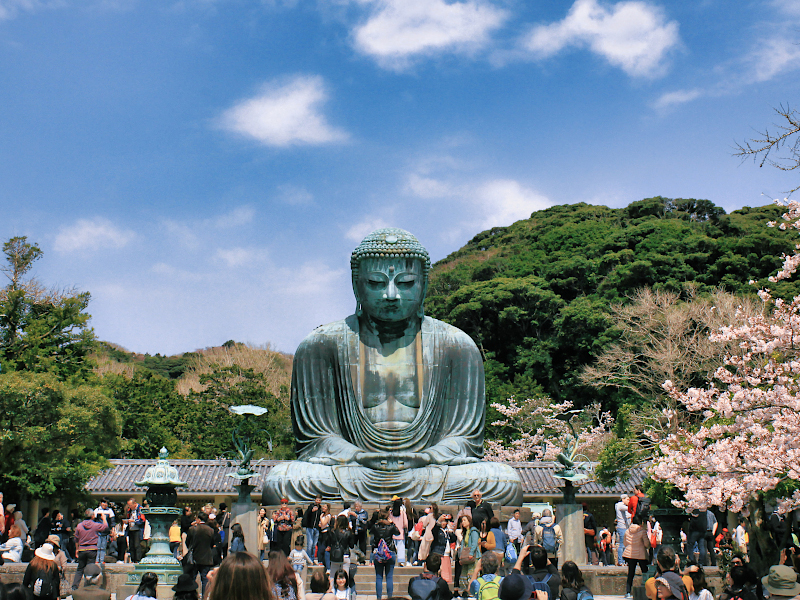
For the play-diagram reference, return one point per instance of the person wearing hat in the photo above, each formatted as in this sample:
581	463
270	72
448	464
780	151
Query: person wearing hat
781	581
42	575
185	589
65	588
515	585
92	588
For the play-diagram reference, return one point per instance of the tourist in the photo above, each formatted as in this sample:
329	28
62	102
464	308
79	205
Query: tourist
622	522
92	585
102	537
185	588
340	538
542	570
175	539
286	583
186	520
42	574
740	537
468	551
264	531
668	566
572	581
700	591
485	581
361	529
637	552
147	588
224	522
480	509
384	530
400	519
200	550
87	534
42	528
604	545
23	526
428	522
16	591
423	585
341	585
284	520
742	583
237	538
514	531
135	522
548	535
60	528
241	576
216	543
311	523
517	586
589	533
11	551
320	587
633	501
299	558
324	527
500	540
64	586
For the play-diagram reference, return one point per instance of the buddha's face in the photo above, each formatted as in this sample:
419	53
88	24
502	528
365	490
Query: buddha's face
391	289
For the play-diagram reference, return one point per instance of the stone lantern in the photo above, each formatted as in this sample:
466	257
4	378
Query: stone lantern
161	481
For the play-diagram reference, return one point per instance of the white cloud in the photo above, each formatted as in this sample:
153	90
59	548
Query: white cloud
772	57
295	195
400	29
678	97
311	278
91	234
11	8
504	201
239	257
237	217
428	187
360	230
634	35
285	115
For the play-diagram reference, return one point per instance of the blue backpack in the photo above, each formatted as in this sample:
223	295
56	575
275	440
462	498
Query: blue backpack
541	586
549	541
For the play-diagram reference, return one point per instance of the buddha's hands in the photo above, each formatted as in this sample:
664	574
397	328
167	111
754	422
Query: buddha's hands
398	461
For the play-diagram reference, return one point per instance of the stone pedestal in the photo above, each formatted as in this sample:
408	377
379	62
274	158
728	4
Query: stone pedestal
246	514
570	519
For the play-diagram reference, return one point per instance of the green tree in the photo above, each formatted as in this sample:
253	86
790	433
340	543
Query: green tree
53	435
41	330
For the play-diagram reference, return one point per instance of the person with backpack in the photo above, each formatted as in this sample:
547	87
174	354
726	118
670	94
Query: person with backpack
543	575
637	552
42	575
485	582
548	535
429	585
572	581
340	538
384	555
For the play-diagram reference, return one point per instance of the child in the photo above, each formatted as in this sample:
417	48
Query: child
341	586
299	557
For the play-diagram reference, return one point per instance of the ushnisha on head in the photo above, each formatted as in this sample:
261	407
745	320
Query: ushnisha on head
390	275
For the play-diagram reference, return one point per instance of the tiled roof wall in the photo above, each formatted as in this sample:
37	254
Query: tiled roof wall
210	477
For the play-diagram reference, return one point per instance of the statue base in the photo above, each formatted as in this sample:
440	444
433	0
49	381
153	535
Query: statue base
570	519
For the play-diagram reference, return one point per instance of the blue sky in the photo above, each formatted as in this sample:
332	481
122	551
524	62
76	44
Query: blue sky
205	167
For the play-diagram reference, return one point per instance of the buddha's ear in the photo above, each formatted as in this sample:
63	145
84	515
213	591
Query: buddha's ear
421	310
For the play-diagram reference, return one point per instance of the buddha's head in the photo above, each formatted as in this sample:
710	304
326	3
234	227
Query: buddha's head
390	275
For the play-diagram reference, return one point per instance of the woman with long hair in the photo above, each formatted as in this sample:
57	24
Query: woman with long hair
412	547
571	581
431	517
12	549
320	587
147	588
325	519
42	574
339	541
286	584
467	545
237	538
385	530
400	519
241	576
263	532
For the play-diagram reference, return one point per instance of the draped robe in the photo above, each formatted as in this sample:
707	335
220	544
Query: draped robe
331	426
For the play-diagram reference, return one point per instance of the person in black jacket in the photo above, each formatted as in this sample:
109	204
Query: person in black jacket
200	544
542	570
340	538
481	511
311	524
418	585
385	530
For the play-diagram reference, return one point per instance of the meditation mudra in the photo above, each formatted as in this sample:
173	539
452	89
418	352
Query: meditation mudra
389	401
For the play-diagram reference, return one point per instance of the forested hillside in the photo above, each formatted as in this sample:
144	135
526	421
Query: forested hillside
535	296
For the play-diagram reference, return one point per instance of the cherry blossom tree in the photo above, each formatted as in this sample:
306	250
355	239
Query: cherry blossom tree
744	442
541	430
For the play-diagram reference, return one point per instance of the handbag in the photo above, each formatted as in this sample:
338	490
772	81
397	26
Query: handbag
188	560
465	557
415	535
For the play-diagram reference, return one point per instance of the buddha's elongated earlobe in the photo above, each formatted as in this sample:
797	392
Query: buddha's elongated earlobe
359	312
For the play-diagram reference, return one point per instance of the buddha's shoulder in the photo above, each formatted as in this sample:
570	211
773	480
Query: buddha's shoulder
330	333
446	332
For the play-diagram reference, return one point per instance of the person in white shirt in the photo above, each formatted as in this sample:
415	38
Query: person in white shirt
740	536
102	538
514	531
623	521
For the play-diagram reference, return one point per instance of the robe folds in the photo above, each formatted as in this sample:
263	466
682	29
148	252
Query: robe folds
331	426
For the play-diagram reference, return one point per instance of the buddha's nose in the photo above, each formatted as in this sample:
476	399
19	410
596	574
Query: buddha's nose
391	291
